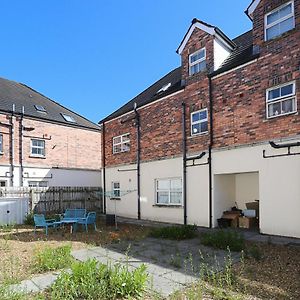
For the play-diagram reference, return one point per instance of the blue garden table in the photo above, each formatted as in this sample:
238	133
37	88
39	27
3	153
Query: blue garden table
71	222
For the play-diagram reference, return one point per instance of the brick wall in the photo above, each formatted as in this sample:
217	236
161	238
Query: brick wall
65	147
239	100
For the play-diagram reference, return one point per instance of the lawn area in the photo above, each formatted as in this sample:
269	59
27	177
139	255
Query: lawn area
265	271
19	244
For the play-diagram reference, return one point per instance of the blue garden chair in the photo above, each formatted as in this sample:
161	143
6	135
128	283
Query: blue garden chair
40	221
90	219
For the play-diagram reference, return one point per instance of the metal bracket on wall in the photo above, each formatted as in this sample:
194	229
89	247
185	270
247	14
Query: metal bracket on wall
37	177
126	170
7	175
193	158
281	146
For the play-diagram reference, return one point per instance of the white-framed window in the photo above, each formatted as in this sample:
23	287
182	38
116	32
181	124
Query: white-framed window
280	20
1	143
37	147
281	100
168	191
121	143
199	122
38	183
197	61
116	189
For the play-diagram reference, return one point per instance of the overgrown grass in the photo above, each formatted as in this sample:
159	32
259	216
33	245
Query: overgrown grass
175	232
29	219
7	227
223	239
8	294
50	259
90	280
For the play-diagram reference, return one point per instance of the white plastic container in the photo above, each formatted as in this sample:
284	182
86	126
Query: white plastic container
249	213
13	210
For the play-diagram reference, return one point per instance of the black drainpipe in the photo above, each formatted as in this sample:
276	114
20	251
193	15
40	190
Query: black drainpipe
21	147
12	150
138	158
209	151
184	191
103	169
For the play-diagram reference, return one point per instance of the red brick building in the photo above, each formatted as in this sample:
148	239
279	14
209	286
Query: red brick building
221	130
43	143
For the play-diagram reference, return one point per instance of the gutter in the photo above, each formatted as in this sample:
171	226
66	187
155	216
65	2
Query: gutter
184	160
138	159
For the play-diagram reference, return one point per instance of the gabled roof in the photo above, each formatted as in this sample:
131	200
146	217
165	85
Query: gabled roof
242	53
251	8
152	93
210	29
20	95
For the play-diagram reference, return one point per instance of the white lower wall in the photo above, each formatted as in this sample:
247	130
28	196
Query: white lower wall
53	176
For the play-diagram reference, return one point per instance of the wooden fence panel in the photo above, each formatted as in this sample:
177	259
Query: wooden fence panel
51	200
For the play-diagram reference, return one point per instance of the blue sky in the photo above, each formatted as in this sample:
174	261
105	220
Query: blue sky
94	55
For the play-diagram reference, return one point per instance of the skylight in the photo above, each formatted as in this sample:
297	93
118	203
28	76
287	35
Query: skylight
68	118
40	108
164	88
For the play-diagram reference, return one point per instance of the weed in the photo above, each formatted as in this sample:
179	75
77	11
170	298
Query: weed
90	280
175	232
254	252
50	259
7	294
10	270
223	239
175	261
29	219
7	227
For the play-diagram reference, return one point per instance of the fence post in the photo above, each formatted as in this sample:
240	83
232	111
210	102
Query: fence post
60	200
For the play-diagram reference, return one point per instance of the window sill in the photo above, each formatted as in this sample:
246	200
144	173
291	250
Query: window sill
198	134
281	116
168	205
37	156
115	198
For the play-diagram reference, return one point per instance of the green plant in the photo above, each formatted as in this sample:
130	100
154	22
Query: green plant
175	261
254	252
11	272
29	219
49	259
175	232
7	227
7	294
223	239
90	280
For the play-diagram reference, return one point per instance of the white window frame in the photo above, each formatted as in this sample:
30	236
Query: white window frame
68	118
281	99
114	189
169	191
199	122
34	183
191	64
268	26
1	143
121	143
38	147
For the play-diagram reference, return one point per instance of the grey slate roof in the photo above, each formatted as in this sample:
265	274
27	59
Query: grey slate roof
150	94
12	92
242	53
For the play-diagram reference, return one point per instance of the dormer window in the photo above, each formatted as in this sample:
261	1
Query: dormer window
40	108
279	21
68	118
197	61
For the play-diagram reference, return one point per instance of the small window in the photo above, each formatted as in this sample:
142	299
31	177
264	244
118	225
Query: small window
38	148
169	191
68	118
38	183
40	108
279	21
199	122
197	61
1	143
121	143
3	183
116	189
281	100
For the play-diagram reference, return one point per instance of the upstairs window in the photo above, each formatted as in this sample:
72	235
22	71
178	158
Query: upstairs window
121	143
199	122
68	118
1	143
279	21
281	100
38	183
169	191
197	61
37	148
